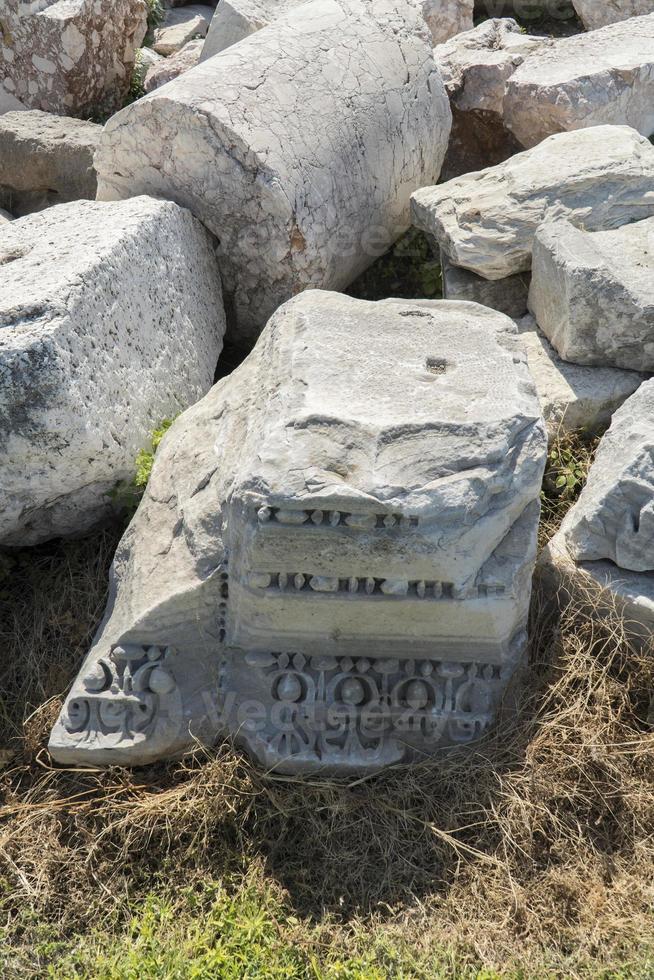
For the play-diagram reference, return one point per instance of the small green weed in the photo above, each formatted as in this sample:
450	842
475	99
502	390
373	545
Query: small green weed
127	494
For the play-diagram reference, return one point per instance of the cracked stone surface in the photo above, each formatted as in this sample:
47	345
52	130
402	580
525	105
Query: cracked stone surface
168	68
340	534
614	516
320	128
180	26
236	19
594	15
70	57
571	83
45	160
486	221
475	66
573	397
591	293
111	320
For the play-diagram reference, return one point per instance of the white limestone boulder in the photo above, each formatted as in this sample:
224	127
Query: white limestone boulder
486	221
572	397
237	19
598	13
507	295
592	293
71	57
111	320
605	77
332	561
45	160
168	68
299	147
181	25
475	66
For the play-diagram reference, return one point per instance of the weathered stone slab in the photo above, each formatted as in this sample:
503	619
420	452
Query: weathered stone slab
237	19
614	516
598	13
298	147
332	561
593	293
486	221
593	79
181	25
573	397
111	320
475	66
70	57
168	68
45	160
504	295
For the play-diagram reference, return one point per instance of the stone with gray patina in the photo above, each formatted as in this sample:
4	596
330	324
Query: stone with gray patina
598	13
592	293
45	159
181	25
332	561
602	177
593	79
168	68
298	147
504	295
71	57
111	320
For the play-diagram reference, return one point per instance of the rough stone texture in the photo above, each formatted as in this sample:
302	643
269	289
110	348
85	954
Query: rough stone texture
236	19
614	516
111	320
573	397
486	221
341	534
475	67
598	13
146	58
298	147
8	102
169	68
504	295
5	216
70	56
592	293
45	160
180	26
571	83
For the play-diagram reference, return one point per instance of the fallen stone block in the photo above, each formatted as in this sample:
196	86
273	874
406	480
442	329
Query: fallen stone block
298	147
594	15
237	19
592	293
573	398
486	221
475	66
181	25
111	320
72	58
168	68
45	160
332	561
605	77
507	296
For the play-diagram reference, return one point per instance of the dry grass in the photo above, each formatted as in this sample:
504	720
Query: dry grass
533	849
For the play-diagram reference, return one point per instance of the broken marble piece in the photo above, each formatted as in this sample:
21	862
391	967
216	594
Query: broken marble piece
598	13
236	19
605	77
111	321
332	560
168	68
475	66
45	160
614	516
71	57
504	295
572	397
486	221
181	25
298	147
592	293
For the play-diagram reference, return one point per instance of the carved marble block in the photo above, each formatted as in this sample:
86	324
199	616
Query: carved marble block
332	562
